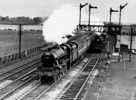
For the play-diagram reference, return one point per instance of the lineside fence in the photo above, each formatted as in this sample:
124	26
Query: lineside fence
20	34
24	53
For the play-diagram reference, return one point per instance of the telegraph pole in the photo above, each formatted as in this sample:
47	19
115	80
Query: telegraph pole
19	35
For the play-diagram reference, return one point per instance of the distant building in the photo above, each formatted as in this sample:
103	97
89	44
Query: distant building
125	36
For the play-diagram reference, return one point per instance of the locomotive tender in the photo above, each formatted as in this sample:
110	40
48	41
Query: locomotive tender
58	59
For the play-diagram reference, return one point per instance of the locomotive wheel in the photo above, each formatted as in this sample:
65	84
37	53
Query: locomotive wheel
65	70
58	77
61	75
55	78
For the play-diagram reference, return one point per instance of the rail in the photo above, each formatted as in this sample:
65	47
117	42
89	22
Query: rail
74	90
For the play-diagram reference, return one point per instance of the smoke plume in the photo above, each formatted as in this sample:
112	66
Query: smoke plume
62	22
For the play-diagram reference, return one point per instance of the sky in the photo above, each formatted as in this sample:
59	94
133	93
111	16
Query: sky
32	8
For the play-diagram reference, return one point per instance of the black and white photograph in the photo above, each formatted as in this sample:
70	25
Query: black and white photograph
67	50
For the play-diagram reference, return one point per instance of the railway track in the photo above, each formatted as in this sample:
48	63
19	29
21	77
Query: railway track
12	74
17	78
17	84
76	89
7	68
33	92
36	90
26	88
10	89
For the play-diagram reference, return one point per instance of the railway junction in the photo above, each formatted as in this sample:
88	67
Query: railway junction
93	77
94	64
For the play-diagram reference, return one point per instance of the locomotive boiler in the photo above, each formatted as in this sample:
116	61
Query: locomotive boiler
57	60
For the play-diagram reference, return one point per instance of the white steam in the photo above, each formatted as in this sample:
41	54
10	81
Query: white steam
62	22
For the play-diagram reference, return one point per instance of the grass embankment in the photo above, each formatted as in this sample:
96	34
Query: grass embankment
9	40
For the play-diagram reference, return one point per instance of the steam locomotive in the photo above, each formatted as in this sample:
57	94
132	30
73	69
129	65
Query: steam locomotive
56	61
